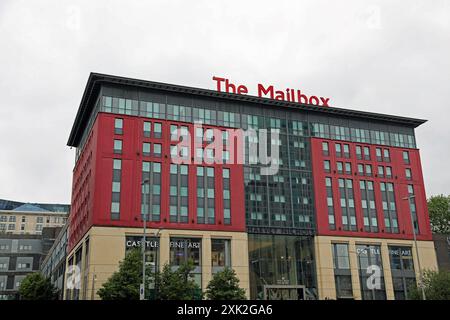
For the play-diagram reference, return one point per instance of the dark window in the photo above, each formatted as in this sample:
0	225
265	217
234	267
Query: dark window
402	269
325	149
330	204
386	155
117	146
220	254
326	166
116	186
226	196
118	126
147	129
151	190
366	153
146	149
379	154
179	193
408	174
381	171
346	151
340	167
406	157
358	152
338	150
342	273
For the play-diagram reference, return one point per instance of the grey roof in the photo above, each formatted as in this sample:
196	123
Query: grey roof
96	80
29	207
38	207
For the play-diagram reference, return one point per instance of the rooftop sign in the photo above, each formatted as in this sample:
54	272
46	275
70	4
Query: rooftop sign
290	95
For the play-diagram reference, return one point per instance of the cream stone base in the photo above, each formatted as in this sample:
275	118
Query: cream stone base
107	249
324	262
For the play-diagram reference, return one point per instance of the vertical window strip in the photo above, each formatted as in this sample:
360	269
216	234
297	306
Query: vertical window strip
205	195
178	193
412	206
331	213
116	187
347	204
151	190
226	196
389	207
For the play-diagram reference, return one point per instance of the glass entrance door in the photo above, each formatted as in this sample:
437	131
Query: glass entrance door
284	292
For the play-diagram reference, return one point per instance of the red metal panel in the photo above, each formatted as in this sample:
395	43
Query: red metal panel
101	166
400	187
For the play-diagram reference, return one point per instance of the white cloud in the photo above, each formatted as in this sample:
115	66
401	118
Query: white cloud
383	56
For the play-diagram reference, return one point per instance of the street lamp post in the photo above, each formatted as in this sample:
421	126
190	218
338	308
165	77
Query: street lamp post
415	245
144	243
156	264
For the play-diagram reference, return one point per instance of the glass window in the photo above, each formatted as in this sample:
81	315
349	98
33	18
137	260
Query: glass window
358	152
369	256
366	153
338	149
368	170
378	153
341	258
388	172
402	267
184	249
118	126
147	129
220	254
117	164
157	130
326	165
406	157
157	150
386	155
117	146
408	174
146	148
325	148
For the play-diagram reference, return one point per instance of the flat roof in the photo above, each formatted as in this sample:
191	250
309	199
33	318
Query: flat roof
97	79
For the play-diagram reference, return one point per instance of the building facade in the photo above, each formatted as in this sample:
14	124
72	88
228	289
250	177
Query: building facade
337	191
54	264
25	218
21	255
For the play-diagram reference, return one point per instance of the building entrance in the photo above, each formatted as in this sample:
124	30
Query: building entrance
286	292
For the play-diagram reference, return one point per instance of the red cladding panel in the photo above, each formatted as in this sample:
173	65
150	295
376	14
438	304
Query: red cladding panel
100	184
400	188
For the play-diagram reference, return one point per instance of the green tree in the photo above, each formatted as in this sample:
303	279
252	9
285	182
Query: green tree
178	284
125	283
436	285
36	286
225	286
439	209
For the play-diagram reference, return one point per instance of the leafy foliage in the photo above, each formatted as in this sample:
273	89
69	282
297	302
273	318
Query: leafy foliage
36	286
225	286
439	209
125	283
436	285
177	284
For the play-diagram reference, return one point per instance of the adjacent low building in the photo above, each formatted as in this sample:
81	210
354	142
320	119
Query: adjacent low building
54	264
27	232
21	255
30	218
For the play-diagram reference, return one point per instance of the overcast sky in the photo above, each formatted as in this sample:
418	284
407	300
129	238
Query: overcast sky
381	56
